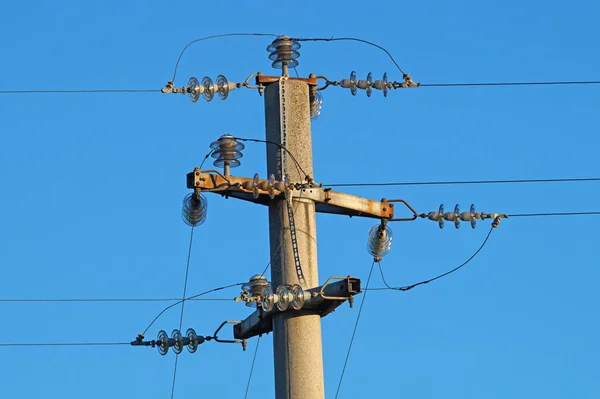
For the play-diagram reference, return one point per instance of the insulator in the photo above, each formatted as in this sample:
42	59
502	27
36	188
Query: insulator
194	207
209	89
195	340
226	151
178	344
382	84
438	216
256	186
195	89
284	298
453	216
271	183
255	286
316	105
380	241
268	299
283	51
469	216
350	83
299	297
366	84
163	342
224	87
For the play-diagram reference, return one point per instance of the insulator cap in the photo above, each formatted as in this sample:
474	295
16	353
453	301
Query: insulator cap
226	150
283	50
255	286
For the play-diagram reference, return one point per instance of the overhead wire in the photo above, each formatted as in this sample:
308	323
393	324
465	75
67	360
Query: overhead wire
589	82
354	39
459	182
79	91
362	303
252	367
187	299
65	344
100	300
280	146
214	37
187	270
409	287
516	215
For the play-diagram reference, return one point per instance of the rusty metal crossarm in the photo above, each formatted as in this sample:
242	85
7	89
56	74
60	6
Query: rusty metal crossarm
323	301
326	200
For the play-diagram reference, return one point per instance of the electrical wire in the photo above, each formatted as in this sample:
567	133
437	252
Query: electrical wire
187	299
214	37
516	215
409	287
187	270
66	344
354	331
252	367
591	82
75	300
354	39
280	146
431	183
79	91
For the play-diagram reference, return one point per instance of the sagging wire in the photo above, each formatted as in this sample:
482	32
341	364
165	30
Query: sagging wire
409	287
282	147
65	344
187	299
214	37
362	303
334	39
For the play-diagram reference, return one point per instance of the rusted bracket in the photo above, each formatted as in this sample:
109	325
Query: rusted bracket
326	200
264	80
323	300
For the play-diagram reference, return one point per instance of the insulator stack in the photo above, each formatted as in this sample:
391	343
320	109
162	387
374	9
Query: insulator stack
457	216
194	208
177	341
254	287
283	298
284	52
380	241
227	152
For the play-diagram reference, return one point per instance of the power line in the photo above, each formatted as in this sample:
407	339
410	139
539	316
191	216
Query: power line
457	182
79	91
409	287
100	300
185	281
66	344
354	331
252	367
590	82
214	37
187	299
353	39
516	215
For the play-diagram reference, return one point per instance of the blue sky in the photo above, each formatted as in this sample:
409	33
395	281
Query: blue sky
92	188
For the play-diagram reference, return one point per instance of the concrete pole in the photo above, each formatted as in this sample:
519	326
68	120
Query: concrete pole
297	341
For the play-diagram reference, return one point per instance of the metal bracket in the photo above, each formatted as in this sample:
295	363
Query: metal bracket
326	200
415	214
323	300
229	341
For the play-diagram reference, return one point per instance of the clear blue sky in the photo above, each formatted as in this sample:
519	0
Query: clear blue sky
92	186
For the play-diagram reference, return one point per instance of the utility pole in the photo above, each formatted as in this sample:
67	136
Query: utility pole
293	302
297	342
